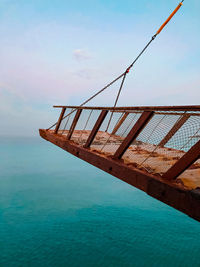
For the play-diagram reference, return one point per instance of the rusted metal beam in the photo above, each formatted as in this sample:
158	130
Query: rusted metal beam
59	120
120	123
186	201
174	129
135	131
96	128
177	113
73	125
142	108
183	163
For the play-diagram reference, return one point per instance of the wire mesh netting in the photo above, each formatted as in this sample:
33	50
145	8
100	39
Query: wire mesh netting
147	151
85	125
187	135
161	143
107	141
128	123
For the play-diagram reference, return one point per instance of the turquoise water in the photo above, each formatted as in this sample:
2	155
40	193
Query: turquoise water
56	210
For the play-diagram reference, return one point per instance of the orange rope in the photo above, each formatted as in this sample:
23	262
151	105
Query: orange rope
170	17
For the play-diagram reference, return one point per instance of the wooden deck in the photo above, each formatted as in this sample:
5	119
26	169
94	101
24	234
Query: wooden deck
138	152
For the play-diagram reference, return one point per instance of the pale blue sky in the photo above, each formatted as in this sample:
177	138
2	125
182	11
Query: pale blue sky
60	52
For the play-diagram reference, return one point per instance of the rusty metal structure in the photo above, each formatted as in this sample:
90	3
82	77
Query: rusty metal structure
155	149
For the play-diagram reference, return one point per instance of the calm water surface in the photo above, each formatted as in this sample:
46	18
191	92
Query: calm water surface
56	210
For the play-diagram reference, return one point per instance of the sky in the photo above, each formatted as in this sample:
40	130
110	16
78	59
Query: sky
56	52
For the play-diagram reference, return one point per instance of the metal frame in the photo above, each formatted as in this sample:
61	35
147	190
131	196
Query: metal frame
160	187
76	118
183	163
143	108
60	120
96	128
174	195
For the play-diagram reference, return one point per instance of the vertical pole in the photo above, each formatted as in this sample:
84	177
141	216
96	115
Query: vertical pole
96	128
73	125
59	120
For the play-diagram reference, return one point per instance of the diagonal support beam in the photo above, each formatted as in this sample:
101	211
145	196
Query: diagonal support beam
174	129
73	125
135	131
96	128
59	120
183	163
120	123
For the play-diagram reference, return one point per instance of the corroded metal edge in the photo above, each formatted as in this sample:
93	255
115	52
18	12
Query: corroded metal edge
170	193
142	108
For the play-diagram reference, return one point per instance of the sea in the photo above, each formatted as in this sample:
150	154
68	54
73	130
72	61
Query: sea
57	210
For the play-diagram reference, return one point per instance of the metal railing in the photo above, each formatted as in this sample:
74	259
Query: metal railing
163	141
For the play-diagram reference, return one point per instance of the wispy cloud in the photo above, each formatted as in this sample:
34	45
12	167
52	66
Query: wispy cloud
81	54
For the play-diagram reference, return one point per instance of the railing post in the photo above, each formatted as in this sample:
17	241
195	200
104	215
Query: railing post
120	123
96	128
73	125
59	120
183	163
135	131
174	129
